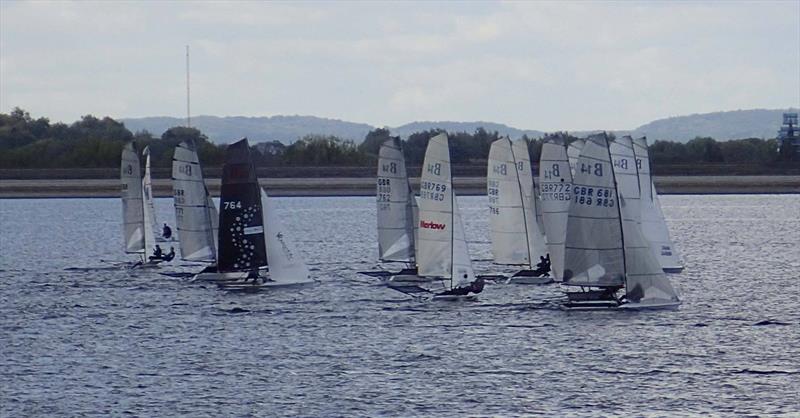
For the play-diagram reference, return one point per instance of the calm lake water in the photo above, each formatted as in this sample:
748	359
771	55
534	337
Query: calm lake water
80	338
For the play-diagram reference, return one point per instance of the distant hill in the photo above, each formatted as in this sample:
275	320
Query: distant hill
406	130
286	129
756	123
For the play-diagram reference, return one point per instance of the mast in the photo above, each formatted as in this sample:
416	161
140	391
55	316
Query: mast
188	113
619	211
452	224
522	200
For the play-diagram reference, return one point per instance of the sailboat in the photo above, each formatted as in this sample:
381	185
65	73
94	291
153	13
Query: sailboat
606	255
396	209
138	212
442	254
251	235
654	226
516	236
555	195
196	215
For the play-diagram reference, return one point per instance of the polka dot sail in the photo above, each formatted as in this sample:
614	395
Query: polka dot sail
241	229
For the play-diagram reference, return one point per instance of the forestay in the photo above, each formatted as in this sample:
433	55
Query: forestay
646	282
150	223
286	265
132	207
442	247
241	244
654	226
555	188
395	202
194	210
594	253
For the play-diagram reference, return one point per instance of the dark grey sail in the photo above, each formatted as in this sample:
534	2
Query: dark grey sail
241	243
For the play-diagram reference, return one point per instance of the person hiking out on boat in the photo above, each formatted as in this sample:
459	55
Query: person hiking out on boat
474	287
170	255
543	267
157	253
166	232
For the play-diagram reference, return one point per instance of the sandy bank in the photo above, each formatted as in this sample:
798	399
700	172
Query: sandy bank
365	186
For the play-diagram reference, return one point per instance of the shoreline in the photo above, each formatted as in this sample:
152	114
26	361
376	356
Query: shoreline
365	186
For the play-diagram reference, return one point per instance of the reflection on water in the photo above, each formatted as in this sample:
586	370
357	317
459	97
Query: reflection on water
110	341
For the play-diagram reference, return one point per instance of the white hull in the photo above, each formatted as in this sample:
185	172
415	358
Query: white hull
530	280
249	286
218	277
409	278
651	305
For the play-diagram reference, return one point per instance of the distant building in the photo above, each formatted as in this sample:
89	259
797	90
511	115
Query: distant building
789	137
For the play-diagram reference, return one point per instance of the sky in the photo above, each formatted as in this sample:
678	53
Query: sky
531	65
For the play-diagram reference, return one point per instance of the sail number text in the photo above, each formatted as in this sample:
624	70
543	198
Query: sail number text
231	205
384	190
594	196
432	190
556	191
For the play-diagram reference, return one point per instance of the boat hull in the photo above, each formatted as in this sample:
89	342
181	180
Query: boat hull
244	286
672	269
530	280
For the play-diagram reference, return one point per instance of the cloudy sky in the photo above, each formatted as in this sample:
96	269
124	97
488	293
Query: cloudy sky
533	65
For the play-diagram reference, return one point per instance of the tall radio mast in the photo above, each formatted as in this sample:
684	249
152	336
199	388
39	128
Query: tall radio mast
188	109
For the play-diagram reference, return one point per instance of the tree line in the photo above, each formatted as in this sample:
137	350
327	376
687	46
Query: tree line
92	142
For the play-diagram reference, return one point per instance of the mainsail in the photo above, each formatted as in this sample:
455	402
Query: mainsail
150	224
594	254
286	265
555	188
442	247
645	282
195	213
516	237
395	202
654	226
132	208
241	244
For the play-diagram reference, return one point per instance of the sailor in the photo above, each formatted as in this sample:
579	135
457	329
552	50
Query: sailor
170	255
543	267
166	232
157	253
253	275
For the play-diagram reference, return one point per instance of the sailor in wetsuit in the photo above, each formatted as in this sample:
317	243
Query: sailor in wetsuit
474	287
543	267
166	232
170	255
157	253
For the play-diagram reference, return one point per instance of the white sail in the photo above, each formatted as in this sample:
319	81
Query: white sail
150	223
555	192
537	244
132	208
654	226
286	265
646	283
193	215
395	202
213	214
594	254
573	152
442	248
507	212
462	273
